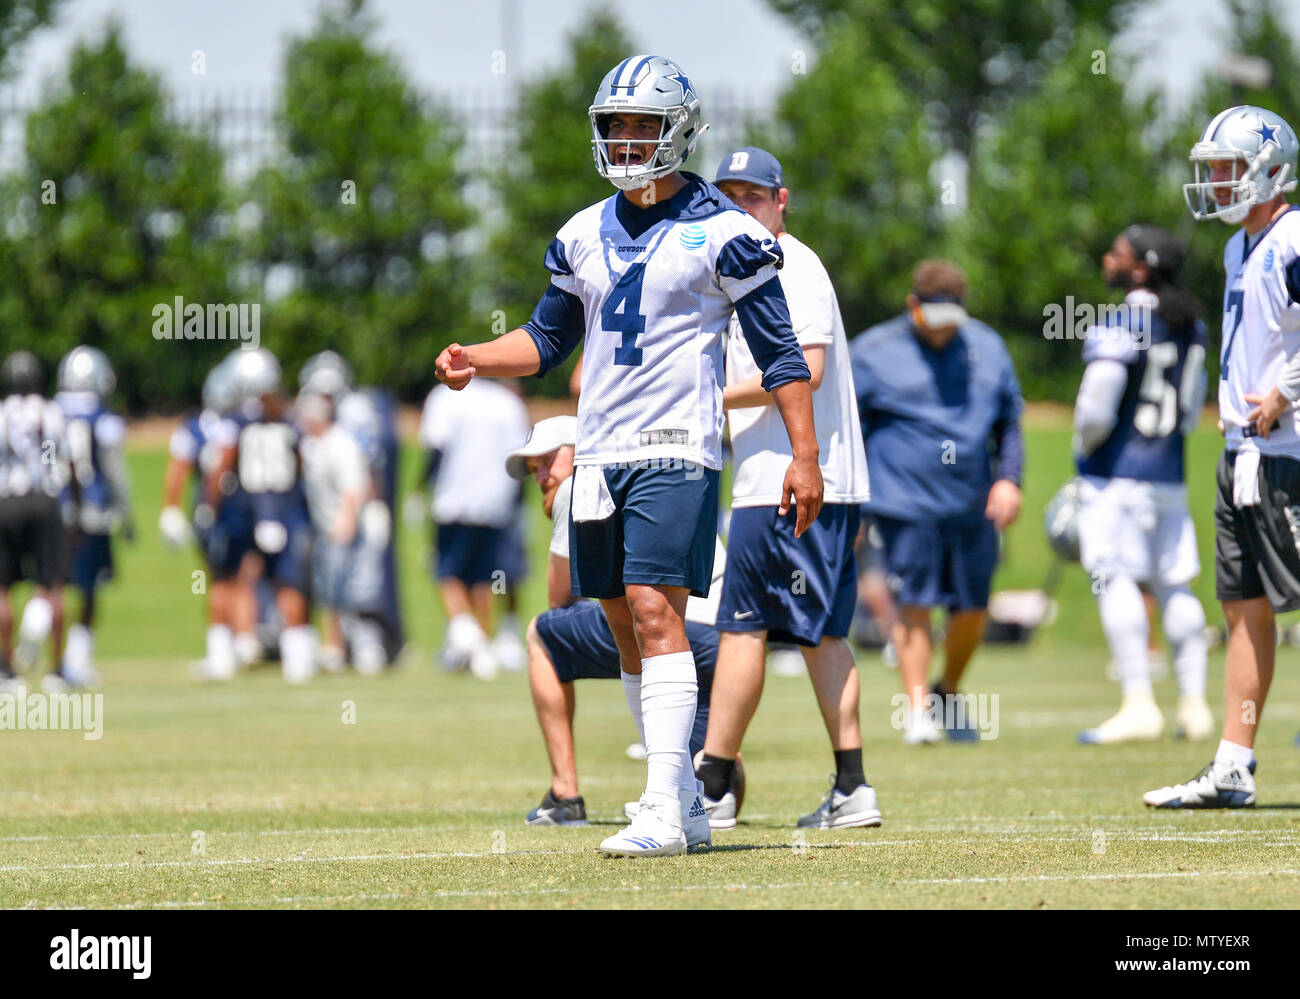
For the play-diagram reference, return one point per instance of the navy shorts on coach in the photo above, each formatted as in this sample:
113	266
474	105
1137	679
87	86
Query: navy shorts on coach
662	531
797	591
467	552
581	647
939	563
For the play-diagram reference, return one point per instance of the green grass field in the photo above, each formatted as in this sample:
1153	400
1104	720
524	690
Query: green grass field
409	789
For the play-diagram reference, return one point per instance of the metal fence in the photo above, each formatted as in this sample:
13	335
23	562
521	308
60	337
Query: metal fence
243	126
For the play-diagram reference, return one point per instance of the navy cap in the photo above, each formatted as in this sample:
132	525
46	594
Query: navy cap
750	163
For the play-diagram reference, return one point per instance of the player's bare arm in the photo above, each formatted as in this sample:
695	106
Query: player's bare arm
803	479
512	356
750	392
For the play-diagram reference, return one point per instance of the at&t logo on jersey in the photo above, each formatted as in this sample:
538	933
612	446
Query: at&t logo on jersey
693	236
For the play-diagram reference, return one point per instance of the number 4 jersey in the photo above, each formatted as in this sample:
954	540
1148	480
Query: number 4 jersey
1162	397
651	291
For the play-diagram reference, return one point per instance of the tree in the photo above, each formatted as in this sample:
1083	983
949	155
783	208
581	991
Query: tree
361	220
963	59
550	173
115	212
1052	184
857	157
18	19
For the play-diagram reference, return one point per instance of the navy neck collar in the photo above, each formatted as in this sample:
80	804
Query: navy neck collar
697	200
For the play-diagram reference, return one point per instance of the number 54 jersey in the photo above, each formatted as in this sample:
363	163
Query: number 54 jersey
651	290
1162	397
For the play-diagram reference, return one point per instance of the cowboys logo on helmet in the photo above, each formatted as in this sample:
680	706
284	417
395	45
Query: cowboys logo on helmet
645	85
1262	149
87	369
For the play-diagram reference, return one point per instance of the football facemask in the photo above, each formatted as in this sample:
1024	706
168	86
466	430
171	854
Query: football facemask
1263	150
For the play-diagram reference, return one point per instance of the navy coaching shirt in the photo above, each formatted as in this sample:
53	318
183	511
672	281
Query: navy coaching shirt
939	425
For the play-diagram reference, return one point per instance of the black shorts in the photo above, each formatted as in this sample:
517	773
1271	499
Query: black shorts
34	543
1257	548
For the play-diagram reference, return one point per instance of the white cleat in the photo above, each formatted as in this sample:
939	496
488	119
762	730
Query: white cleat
920	729
83	676
636	751
205	671
54	683
787	662
1219	785
655	832
483	664
1194	719
695	816
509	650
1137	721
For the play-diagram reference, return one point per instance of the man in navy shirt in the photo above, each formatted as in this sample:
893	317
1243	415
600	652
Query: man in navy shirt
940	408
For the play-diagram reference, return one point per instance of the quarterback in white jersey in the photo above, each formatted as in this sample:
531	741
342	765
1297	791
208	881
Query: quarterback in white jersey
762	547
1245	164
648	281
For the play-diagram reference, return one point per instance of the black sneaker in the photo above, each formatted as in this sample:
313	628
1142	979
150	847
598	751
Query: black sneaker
555	811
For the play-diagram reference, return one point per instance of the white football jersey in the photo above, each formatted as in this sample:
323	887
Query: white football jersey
656	305
33	446
1261	329
333	466
475	429
758	436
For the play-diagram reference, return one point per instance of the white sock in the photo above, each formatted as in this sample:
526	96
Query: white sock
1230	752
79	650
221	649
632	691
668	694
298	653
1124	620
1184	619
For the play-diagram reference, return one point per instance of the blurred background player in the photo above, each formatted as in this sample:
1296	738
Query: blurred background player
194	453
1244	165
468	435
1142	391
346	572
259	475
801	590
572	640
34	542
935	387
100	496
368	415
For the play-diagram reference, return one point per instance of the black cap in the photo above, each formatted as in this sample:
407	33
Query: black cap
1157	248
22	374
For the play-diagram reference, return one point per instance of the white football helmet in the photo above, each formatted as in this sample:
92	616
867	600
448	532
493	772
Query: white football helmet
219	387
1061	521
1264	148
255	373
653	85
326	374
87	369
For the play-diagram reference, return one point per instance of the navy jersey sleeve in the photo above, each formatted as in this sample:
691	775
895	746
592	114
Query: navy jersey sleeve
558	322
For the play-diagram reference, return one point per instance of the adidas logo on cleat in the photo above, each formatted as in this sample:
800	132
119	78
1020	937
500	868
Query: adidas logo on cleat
697	809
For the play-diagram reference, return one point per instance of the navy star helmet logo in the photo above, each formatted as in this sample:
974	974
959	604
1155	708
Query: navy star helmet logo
1267	133
681	80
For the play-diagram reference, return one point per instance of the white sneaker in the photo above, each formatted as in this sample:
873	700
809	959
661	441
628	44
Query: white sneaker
509	650
636	751
787	662
204	671
54	683
920	729
695	817
1138	720
483	664
655	832
248	649
1194	719
1219	785
330	659
83	676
